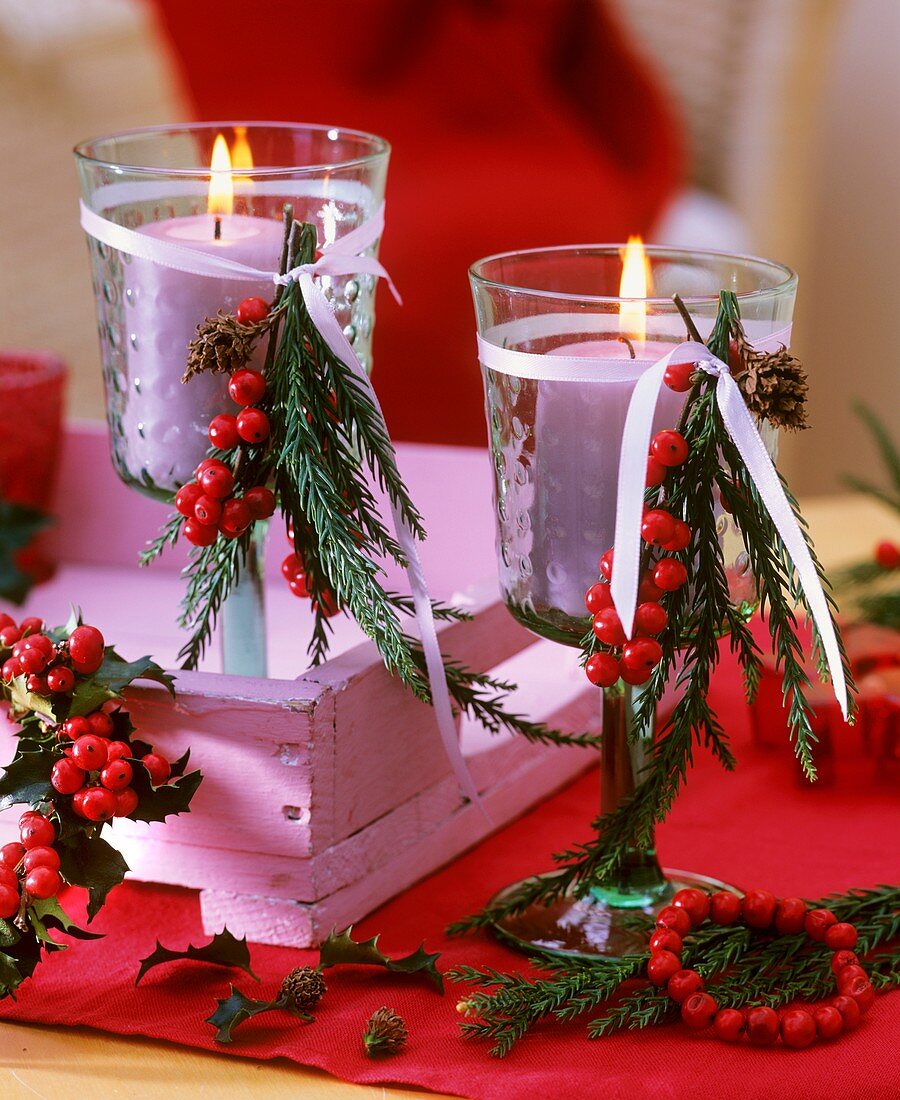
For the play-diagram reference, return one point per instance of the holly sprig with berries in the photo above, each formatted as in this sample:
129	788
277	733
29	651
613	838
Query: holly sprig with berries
77	766
686	606
306	434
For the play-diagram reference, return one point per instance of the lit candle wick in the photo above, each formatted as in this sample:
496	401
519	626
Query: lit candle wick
217	232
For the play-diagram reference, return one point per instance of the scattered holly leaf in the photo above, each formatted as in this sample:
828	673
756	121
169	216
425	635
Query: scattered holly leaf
23	701
111	679
92	863
224	949
25	779
342	950
52	915
178	766
18	526
158	803
236	1008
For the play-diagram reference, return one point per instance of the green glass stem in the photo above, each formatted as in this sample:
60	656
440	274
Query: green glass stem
244	615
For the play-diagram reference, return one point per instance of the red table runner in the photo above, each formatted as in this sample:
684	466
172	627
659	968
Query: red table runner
755	827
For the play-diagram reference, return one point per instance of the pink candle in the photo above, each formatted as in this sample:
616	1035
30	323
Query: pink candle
165	422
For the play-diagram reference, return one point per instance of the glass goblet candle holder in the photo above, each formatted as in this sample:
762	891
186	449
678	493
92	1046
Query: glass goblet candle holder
164	184
555	447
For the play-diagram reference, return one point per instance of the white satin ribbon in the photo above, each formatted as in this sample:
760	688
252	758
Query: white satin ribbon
742	429
341	257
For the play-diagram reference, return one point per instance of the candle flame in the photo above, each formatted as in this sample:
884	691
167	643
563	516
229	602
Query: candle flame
241	156
221	186
635	284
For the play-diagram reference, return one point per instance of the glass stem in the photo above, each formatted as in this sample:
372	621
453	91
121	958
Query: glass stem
244	615
625	749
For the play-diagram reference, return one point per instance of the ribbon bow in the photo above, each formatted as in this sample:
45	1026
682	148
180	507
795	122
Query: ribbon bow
741	428
340	257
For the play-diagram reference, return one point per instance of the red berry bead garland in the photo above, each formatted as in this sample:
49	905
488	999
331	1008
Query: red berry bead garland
887	555
760	909
252	311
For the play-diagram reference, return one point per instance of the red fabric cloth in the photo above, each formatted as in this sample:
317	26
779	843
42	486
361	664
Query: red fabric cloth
514	124
755	827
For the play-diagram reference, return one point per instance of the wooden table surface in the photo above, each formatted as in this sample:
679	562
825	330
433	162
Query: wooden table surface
74	1064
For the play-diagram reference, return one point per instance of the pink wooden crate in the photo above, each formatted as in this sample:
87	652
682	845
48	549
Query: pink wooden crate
325	793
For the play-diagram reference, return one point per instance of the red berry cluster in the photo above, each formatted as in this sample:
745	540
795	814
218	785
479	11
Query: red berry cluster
761	911
293	569
97	771
50	668
633	661
887	555
29	868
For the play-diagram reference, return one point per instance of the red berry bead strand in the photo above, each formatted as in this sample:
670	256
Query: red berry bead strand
760	1025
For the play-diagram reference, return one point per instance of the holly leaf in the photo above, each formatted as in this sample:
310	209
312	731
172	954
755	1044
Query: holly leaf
158	803
234	1010
24	701
342	950
111	679
52	915
18	526
92	863
26	779
224	949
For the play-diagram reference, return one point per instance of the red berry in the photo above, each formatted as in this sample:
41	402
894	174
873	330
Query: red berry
661	967
887	555
197	534
158	768
31	625
699	1010
73	728
117	750
186	498
656	472
684	984
669	574
669	447
40	642
207	511
641	655
695	903
223	431
61	680
798	1028
246	387
66	777
665	939
292	566
251	311
678	376
36	831
850	973
670	916
648	591
9	901
6	620
790	914
116	776
97	803
817	923
86	649
681	540
325	604
8	876
729	1024
829	1022
861	991
597	597
602	669
12	854
762	1025
9	635
634	675
253	425
217	481
101	724
10	669
37	685
42	882
298	586
90	752
236	518
42	857
758	908
261	502
840	959
650	617
608	627
657	526
126	802
606	564
32	661
849	1010
841	935
78	801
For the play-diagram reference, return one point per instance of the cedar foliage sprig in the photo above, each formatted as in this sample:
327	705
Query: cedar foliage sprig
739	966
326	431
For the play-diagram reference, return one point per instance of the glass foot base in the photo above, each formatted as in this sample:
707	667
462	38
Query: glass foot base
601	923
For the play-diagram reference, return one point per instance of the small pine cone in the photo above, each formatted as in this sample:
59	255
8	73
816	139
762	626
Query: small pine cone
303	988
774	387
385	1033
221	345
